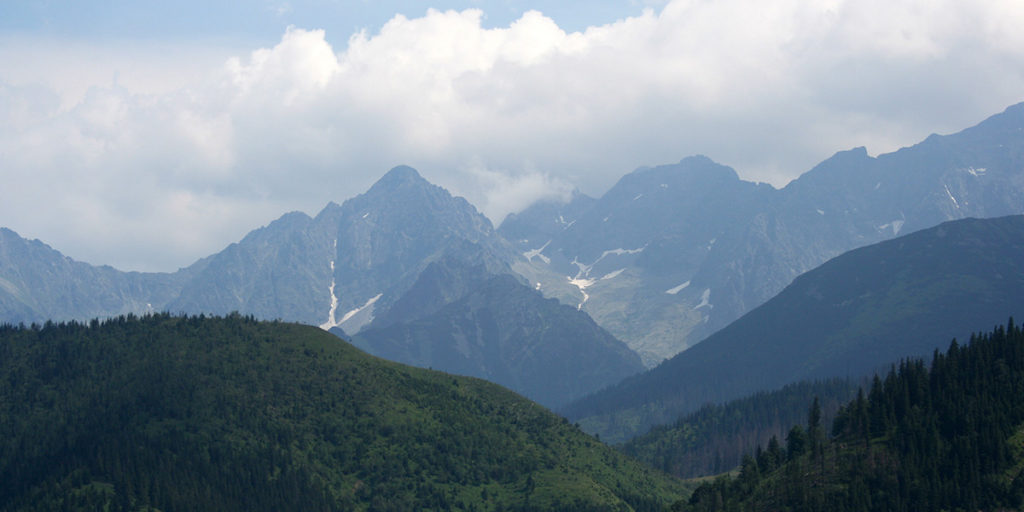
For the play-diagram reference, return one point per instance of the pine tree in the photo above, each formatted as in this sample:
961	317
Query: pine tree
796	442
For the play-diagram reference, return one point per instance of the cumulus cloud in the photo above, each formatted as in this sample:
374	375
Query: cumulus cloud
504	191
148	159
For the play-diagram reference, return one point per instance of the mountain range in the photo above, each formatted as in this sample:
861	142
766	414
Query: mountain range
856	314
397	254
671	254
665	258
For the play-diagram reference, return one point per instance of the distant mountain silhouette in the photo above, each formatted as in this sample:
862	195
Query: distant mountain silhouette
509	334
665	258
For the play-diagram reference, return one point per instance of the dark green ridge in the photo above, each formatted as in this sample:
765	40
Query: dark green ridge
945	437
196	413
850	317
714	439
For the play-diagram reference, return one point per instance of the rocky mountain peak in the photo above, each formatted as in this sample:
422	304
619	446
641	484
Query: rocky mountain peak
400	177
691	171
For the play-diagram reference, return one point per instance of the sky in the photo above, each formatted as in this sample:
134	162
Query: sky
146	135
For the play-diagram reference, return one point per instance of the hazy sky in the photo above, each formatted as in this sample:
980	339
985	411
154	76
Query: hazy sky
148	134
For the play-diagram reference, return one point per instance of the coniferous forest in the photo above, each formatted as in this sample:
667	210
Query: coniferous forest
184	413
196	413
714	439
945	436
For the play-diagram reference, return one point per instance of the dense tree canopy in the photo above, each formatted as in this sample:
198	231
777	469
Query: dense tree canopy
200	413
945	437
715	438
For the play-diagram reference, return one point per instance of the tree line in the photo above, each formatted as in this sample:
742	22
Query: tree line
944	436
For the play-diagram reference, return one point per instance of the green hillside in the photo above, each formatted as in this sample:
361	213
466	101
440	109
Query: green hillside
715	438
172	413
945	437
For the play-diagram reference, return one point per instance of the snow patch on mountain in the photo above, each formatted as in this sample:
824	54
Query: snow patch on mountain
612	274
333	309
565	224
583	280
355	311
620	252
584	269
536	253
704	300
582	284
581	268
951	198
354	320
331	322
896	226
676	289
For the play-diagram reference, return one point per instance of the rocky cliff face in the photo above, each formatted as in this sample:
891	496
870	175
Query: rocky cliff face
348	262
509	334
38	283
672	254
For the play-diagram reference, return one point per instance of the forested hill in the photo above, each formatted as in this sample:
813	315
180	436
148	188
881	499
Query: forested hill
948	437
196	413
714	439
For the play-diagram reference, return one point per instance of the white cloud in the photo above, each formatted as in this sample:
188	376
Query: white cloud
501	192
153	155
293	73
